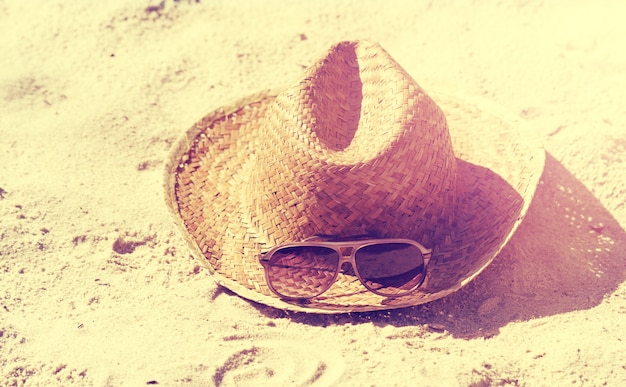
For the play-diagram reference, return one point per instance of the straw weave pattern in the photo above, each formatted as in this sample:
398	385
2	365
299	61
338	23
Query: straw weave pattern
355	147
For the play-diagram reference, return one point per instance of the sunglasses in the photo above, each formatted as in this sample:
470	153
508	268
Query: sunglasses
304	270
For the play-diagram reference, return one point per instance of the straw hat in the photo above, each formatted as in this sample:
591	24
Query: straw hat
356	146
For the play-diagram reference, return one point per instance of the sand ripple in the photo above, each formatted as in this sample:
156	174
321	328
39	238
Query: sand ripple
277	363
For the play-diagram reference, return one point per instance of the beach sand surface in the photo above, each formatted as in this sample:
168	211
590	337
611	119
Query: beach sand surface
97	288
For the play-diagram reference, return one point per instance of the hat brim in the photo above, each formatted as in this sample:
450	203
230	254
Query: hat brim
498	171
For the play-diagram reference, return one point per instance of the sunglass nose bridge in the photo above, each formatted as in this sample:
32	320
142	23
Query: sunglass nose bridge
346	251
347	268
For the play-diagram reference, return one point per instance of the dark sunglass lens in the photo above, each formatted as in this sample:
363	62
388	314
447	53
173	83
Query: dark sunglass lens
303	271
391	269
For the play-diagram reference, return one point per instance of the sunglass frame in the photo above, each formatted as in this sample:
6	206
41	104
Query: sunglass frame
338	244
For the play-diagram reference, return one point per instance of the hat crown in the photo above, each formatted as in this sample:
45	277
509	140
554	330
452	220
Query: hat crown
355	147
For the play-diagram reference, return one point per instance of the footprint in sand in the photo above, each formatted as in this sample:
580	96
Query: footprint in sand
278	364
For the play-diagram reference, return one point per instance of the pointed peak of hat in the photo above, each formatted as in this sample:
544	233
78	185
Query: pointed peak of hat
355	147
351	53
354	97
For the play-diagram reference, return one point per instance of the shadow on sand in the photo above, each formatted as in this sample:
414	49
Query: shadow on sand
567	255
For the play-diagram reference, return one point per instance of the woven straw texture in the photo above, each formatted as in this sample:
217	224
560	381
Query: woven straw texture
355	147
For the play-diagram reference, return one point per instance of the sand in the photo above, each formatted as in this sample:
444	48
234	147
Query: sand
97	287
